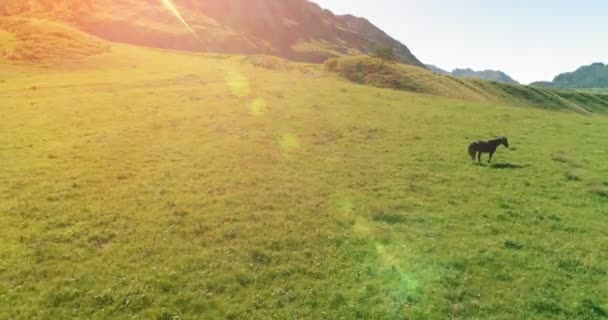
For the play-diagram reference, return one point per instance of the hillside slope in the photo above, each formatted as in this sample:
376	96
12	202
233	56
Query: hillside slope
438	70
379	73
295	29
45	43
586	77
37	41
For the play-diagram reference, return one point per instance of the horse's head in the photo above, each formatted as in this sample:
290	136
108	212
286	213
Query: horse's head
505	142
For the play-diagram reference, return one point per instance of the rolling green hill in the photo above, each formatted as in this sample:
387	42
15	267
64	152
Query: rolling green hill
296	29
586	77
380	73
141	183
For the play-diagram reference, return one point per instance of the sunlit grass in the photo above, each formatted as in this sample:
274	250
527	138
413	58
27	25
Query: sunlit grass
147	184
238	83
289	141
259	107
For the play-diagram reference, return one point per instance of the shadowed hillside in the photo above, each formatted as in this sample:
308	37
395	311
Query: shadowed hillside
294	29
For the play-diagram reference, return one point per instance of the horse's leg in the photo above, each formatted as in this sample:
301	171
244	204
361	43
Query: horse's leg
479	157
472	152
491	155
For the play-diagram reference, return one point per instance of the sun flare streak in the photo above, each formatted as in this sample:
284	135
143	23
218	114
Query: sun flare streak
173	9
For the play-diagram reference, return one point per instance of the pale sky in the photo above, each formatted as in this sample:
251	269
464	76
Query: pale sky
530	40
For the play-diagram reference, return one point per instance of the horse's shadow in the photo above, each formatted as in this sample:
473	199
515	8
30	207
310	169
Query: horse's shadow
506	165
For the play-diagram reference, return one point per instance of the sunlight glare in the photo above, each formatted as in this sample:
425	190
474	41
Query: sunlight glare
173	9
238	84
258	107
289	142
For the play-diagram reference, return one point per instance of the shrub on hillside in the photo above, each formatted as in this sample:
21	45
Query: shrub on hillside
383	51
375	72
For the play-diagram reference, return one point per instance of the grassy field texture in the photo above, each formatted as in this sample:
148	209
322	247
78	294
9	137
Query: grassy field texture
142	184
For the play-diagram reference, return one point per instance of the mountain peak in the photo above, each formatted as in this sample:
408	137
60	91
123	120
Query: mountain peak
489	75
298	30
594	75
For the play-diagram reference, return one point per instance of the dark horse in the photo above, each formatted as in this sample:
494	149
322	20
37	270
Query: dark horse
479	147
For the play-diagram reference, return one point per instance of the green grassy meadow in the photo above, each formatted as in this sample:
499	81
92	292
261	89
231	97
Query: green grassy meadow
147	184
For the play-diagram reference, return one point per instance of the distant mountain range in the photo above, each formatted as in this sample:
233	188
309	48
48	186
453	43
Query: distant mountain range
294	29
591	76
489	75
438	70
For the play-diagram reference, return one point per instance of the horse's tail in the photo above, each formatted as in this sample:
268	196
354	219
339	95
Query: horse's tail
472	151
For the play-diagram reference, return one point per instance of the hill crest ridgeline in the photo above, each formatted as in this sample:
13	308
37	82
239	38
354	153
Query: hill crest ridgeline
298	30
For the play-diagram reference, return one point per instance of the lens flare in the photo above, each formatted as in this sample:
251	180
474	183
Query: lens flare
289	142
237	83
258	107
173	9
